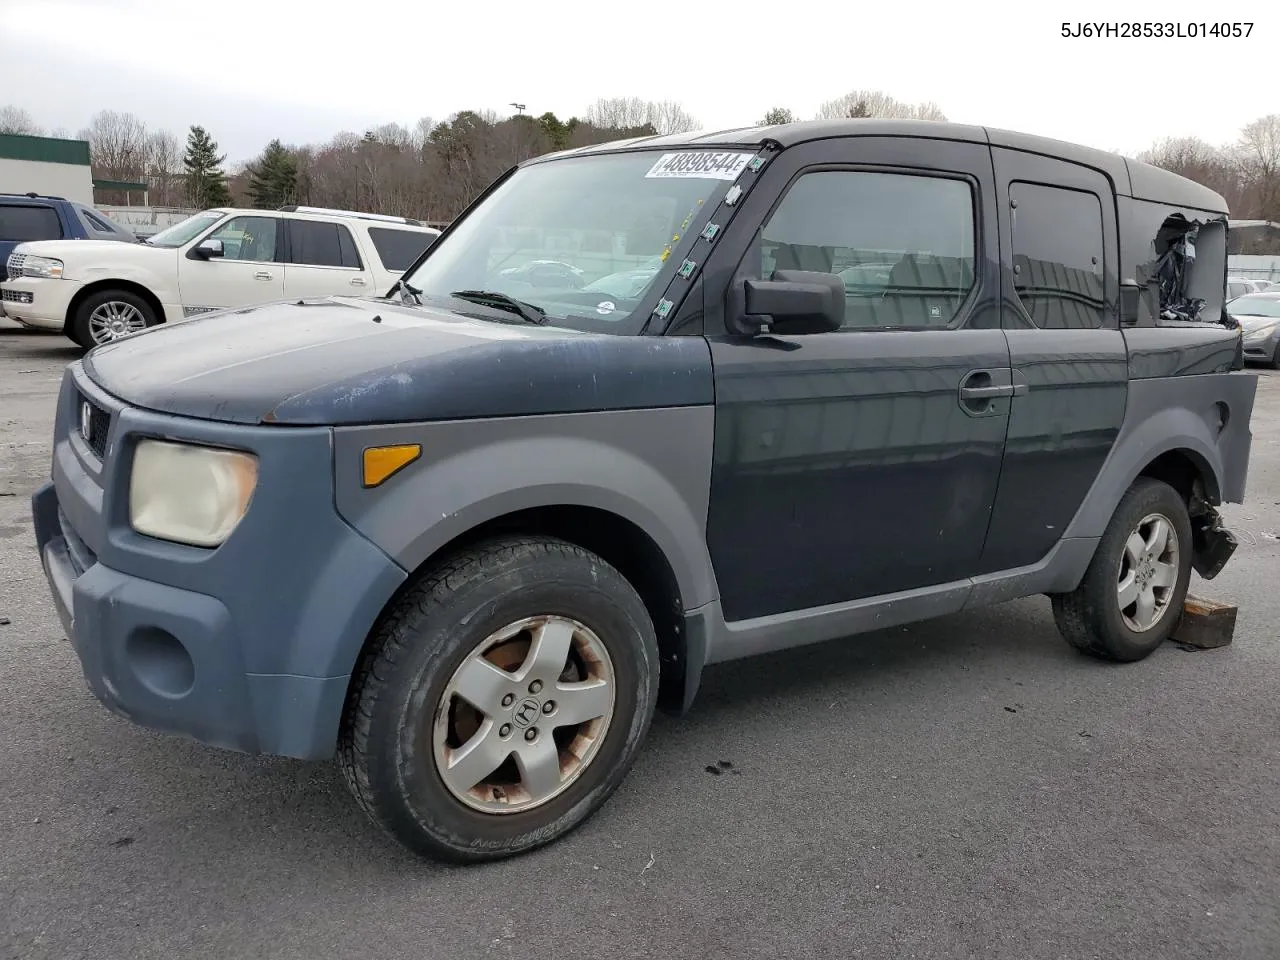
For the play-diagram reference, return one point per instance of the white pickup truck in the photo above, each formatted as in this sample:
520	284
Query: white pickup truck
97	291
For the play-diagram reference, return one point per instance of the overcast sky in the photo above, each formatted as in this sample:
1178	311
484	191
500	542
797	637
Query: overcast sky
302	71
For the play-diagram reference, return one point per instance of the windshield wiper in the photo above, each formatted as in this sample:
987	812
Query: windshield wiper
528	312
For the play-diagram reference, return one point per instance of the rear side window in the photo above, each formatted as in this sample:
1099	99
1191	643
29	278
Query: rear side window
22	222
399	248
96	224
318	244
1057	256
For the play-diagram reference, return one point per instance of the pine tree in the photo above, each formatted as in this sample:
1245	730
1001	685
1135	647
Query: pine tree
206	186
273	180
859	110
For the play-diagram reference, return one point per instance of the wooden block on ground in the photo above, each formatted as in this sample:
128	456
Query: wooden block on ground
1205	624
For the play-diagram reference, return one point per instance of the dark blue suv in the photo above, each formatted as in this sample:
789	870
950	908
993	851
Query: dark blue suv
29	216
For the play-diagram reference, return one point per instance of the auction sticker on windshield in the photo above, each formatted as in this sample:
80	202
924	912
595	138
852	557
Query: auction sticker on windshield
700	164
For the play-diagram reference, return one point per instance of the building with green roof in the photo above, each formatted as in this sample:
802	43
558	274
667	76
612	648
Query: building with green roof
46	165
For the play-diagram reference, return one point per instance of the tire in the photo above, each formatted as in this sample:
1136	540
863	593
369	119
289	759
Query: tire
108	315
397	736
1091	618
1275	358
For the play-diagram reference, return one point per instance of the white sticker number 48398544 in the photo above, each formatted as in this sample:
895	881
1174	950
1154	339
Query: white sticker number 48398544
699	164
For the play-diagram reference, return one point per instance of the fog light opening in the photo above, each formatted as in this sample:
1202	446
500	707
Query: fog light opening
160	662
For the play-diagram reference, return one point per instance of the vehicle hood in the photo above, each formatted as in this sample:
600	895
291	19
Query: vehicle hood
345	360
83	257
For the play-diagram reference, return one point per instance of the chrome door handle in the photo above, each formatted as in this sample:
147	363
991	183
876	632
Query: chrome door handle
357	281
262	275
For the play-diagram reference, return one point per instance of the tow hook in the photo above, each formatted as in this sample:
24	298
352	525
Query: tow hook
1212	543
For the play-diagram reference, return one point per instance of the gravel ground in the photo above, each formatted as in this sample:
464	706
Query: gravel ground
966	787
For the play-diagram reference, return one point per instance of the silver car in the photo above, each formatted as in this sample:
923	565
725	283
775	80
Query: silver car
1259	317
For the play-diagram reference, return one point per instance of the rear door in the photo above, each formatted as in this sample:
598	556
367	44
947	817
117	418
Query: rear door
860	462
322	260
1060	256
26	220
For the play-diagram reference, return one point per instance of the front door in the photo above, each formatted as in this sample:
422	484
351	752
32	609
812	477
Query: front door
861	462
249	271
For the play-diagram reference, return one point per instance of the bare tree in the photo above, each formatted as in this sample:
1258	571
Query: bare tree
18	120
1258	156
618	112
667	116
1181	153
118	145
629	113
164	169
422	131
876	103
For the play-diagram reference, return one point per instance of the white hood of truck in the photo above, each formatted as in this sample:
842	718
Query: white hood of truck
89	260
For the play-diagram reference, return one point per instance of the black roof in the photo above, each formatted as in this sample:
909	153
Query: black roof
1131	177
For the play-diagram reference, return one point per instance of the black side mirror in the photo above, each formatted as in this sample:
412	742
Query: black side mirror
207	249
793	302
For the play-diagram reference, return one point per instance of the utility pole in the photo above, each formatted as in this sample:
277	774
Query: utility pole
519	113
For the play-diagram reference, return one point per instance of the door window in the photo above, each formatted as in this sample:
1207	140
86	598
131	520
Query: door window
1057	256
903	244
23	222
315	243
248	238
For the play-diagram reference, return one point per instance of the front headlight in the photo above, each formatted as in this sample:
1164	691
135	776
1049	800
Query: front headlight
188	493
1262	332
46	268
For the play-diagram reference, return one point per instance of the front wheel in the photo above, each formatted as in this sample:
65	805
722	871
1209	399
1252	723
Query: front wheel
109	315
502	702
1131	597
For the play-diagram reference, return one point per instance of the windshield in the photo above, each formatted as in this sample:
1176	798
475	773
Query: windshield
1252	306
184	231
587	240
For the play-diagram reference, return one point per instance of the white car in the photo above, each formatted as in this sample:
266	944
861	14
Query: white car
96	291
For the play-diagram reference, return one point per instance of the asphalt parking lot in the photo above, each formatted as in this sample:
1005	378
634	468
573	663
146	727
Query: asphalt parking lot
968	787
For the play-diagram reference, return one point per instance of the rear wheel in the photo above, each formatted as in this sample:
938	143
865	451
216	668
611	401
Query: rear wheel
109	315
502	702
1131	597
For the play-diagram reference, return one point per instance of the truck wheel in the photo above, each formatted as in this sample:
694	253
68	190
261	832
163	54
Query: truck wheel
502	701
108	315
1131	596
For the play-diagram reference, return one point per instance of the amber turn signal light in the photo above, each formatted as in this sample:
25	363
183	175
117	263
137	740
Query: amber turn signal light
382	463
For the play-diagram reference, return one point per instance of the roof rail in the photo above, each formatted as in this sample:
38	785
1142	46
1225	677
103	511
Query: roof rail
32	195
295	208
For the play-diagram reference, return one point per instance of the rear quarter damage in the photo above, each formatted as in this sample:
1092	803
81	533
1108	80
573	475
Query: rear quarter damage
1186	422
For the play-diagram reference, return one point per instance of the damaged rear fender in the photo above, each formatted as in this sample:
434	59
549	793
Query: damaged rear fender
1201	419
